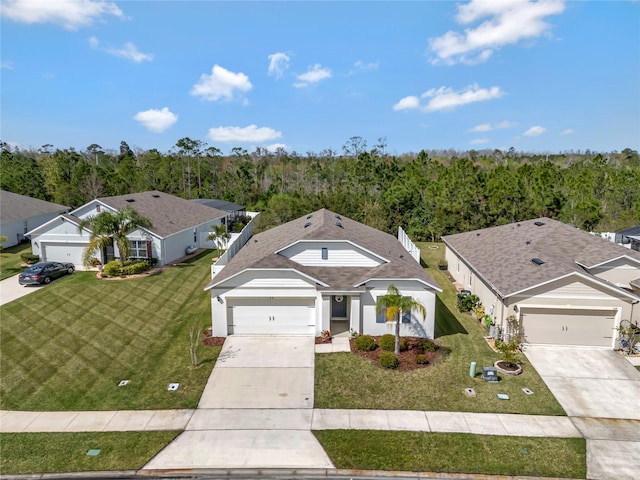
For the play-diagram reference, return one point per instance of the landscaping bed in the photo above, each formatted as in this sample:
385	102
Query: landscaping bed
408	359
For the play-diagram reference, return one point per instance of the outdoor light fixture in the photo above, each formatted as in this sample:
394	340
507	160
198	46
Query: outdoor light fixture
515	308
219	299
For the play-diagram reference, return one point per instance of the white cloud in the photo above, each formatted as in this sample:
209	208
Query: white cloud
6	65
278	63
156	120
71	14
507	22
487	127
407	103
313	75
479	141
362	67
445	98
222	83
250	134
128	51
535	131
568	131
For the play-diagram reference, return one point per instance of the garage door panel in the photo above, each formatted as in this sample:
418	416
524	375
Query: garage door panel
63	252
271	316
569	327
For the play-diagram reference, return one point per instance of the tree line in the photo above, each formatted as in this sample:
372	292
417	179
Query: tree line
429	194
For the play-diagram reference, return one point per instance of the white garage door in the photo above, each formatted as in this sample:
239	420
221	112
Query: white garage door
63	252
593	328
272	316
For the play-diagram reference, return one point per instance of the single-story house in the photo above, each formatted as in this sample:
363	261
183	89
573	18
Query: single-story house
562	285
234	211
176	224
629	237
20	213
321	272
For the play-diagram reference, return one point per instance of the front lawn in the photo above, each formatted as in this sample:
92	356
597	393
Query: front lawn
67	452
344	380
68	345
455	453
10	260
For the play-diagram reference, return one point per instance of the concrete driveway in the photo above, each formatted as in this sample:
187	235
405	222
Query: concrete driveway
599	390
11	290
255	411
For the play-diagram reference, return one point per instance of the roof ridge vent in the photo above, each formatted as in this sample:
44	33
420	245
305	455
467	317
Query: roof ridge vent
155	195
538	223
537	261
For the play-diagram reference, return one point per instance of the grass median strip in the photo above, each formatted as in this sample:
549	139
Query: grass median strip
68	345
24	453
344	380
455	453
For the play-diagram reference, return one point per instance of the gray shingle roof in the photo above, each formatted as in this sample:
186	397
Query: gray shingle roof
14	206
260	252
503	255
228	207
168	214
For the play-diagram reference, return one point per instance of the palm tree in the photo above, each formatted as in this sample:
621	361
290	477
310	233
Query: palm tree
109	225
220	235
396	305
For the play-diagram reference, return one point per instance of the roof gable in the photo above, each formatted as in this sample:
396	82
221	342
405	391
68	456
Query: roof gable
323	225
503	256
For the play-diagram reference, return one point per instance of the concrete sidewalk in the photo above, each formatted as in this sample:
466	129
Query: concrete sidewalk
288	419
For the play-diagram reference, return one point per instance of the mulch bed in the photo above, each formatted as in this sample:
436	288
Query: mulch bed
407	358
210	341
321	340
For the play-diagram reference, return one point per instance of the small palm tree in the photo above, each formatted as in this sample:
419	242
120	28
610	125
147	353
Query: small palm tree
108	225
396	305
220	236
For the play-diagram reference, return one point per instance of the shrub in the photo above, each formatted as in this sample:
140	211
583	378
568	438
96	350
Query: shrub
421	360
387	342
404	344
508	350
466	302
388	360
365	343
428	346
152	262
112	269
29	258
135	267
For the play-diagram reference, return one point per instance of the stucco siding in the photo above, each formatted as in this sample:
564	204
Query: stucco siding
620	272
418	326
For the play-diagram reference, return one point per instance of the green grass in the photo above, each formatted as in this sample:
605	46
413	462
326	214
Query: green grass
10	260
345	380
67	452
455	453
66	346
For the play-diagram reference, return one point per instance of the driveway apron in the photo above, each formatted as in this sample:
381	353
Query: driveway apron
599	390
255	411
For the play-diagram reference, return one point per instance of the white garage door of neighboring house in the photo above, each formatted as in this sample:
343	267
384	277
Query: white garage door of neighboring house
63	252
558	326
273	316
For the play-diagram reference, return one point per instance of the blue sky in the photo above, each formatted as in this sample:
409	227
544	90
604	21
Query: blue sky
545	76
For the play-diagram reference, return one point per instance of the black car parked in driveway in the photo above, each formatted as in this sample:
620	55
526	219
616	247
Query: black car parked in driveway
44	272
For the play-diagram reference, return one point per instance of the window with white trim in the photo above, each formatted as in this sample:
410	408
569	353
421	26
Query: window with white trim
325	253
470	278
139	249
382	316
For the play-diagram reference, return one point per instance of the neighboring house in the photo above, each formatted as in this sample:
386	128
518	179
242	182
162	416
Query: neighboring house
234	211
319	272
629	238
563	285
19	214
177	224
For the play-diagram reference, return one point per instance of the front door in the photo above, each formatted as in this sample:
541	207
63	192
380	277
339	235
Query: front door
339	314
